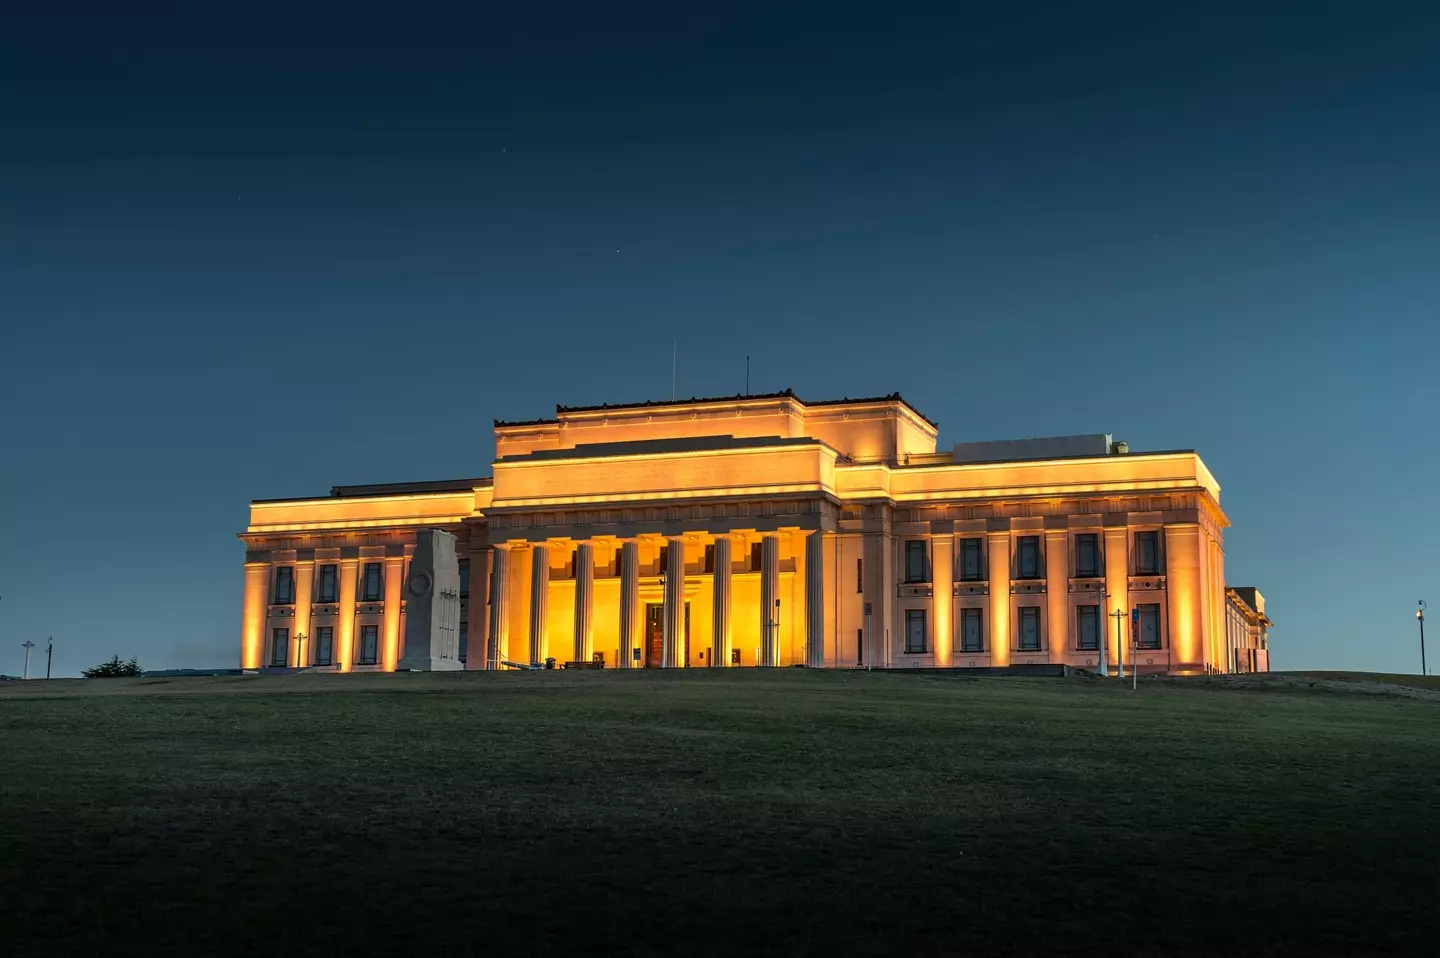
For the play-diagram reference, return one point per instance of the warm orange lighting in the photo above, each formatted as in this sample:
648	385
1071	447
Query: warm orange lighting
394	576
252	627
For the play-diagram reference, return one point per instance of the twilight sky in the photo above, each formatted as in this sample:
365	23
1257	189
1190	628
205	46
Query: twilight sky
252	251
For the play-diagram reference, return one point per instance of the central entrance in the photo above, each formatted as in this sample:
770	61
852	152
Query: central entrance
655	635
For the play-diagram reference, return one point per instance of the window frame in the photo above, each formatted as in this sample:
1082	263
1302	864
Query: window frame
1021	545
365	594
1097	567
329	645
374	657
912	615
286	574
917	547
1080	615
966	617
979	551
279	661
1147	608
333	594
1157	564
1025	611
463	567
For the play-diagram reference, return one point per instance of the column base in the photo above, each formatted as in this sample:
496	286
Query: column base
428	663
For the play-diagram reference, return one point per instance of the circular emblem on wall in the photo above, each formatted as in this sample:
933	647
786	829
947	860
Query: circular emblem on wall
420	583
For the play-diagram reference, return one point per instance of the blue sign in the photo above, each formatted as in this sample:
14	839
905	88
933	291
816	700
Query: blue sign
635	655
1134	615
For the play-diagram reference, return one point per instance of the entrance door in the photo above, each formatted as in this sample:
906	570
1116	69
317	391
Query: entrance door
655	635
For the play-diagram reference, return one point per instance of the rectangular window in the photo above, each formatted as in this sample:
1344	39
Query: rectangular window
325	645
284	584
972	633
1147	553
1028	564
859	575
329	584
464	578
279	647
710	558
1088	635
914	630
972	569
369	644
917	568
464	640
756	557
1087	555
859	647
1030	628
1149	625
371	592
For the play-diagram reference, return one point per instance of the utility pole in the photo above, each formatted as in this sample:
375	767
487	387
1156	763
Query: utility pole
27	645
1119	616
49	654
1100	628
1420	617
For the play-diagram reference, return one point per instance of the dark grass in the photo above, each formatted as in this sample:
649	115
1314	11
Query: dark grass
697	813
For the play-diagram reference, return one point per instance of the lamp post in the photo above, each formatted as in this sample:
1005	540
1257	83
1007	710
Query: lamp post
1420	617
1119	616
664	619
1100	628
299	650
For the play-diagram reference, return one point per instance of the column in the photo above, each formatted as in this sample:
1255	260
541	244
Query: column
498	641
942	575
345	633
629	600
769	592
477	612
672	654
302	653
815	600
720	613
1183	597
1117	587
1055	630
394	584
252	624
584	599
997	554
539	598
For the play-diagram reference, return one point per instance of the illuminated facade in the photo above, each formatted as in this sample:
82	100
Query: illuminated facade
762	530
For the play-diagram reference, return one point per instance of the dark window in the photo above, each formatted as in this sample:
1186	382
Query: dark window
284	584
280	647
859	575
710	558
1087	555
1030	628
1028	566
664	560
1147	553
917	568
325	645
756	558
972	630
1088	636
859	647
1149	625
914	630
464	640
464	578
972	569
369	644
329	584
371	592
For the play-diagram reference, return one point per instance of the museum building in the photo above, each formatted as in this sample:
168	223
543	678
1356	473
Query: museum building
765	530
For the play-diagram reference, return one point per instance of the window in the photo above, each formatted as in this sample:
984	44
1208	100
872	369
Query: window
329	584
1087	555
664	560
1028	566
1149	625
1147	553
914	630
859	575
917	568
464	640
369	644
372	583
279	647
972	569
972	634
1030	628
325	645
284	584
710	558
464	578
756	558
1088	635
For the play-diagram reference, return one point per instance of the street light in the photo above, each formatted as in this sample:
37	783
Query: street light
1420	617
299	650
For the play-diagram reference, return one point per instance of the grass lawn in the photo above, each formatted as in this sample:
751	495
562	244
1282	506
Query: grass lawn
698	813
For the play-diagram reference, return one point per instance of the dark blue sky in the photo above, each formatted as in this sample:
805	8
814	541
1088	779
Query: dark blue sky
257	251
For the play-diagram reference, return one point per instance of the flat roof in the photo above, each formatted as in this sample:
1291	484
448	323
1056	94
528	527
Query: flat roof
394	489
640	447
703	400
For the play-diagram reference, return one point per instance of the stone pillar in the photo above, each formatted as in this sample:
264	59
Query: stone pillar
720	611
1185	641
498	641
769	592
1055	629
477	611
815	600
629	599
539	599
672	653
942	578
584	599
345	633
1117	587
997	548
252	623
302	653
394	589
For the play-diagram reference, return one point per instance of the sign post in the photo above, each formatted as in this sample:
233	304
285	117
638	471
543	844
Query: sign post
1134	649
867	639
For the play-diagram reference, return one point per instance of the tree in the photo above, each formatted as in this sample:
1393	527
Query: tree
113	669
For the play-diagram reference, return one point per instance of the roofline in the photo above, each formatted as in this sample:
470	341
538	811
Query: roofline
561	410
381	489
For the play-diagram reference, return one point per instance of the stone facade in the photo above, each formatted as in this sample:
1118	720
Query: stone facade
760	530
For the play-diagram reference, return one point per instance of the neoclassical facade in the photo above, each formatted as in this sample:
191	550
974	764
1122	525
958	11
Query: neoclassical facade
763	530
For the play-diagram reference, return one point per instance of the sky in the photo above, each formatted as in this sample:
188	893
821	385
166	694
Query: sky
254	251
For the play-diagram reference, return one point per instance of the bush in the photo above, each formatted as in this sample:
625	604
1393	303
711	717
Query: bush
113	669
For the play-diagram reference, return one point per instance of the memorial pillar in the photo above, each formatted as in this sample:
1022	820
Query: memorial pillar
769	593
629	600
498	640
539	599
394	585
252	627
584	599
815	600
720	611
345	634
304	588
672	654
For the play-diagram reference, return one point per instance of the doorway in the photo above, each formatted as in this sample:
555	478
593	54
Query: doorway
655	635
